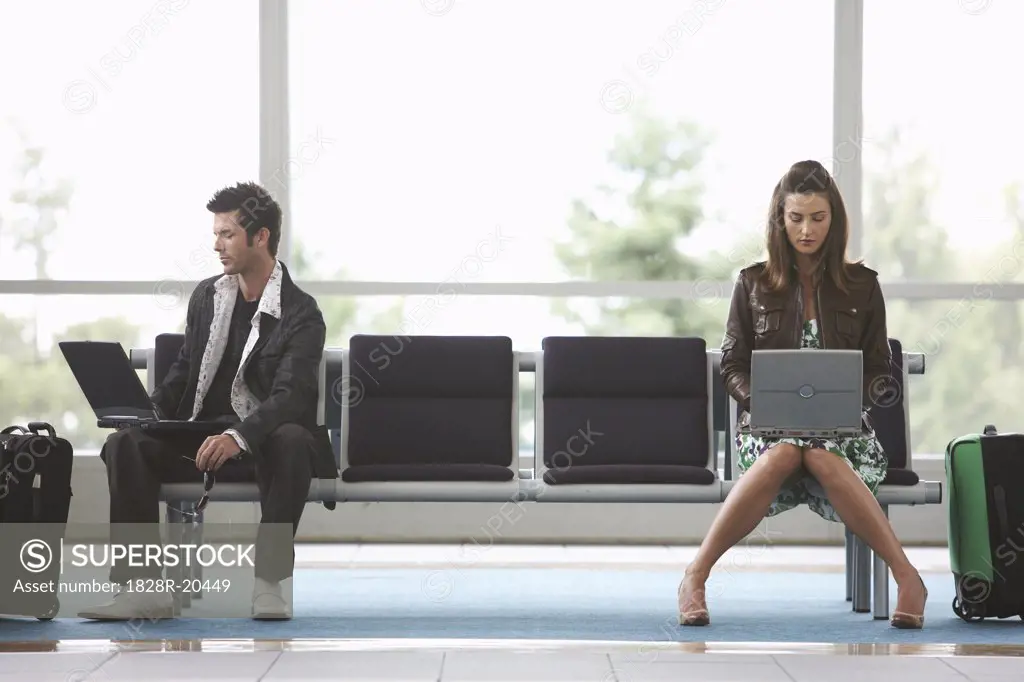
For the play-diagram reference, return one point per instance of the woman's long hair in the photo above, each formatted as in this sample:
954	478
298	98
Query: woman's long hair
806	177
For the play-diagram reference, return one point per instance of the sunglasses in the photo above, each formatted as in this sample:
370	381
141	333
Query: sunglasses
209	478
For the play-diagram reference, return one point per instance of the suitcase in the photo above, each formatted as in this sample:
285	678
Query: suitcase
985	479
35	496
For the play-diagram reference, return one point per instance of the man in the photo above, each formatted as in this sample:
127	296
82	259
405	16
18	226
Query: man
251	357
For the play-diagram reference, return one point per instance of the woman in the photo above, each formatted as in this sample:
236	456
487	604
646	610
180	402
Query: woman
806	295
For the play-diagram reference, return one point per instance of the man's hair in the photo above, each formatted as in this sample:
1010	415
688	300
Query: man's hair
256	210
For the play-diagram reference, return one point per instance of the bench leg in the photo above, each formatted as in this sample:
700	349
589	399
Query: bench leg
849	565
854	551
861	576
881	582
175	521
196	538
715	444
183	571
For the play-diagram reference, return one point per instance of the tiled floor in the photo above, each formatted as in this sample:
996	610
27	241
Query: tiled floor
509	661
523	661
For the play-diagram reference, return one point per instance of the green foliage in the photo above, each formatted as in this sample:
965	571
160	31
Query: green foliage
901	238
339	312
633	228
35	382
972	344
37	205
635	231
38	386
342	313
639	231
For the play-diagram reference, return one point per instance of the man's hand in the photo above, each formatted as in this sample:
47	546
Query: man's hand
216	450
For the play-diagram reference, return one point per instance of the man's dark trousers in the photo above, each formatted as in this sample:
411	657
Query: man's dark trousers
138	462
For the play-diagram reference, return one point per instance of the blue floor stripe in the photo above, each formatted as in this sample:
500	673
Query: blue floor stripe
578	604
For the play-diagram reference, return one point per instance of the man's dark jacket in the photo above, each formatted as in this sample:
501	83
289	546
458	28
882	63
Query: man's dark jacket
282	371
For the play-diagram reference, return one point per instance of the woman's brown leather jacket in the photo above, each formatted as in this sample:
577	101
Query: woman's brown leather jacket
851	321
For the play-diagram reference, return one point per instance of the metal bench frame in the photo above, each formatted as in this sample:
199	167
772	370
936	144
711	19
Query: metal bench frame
528	484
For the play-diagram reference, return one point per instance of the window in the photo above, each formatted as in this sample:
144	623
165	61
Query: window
116	140
484	132
478	142
943	186
944	201
524	319
967	342
974	364
35	382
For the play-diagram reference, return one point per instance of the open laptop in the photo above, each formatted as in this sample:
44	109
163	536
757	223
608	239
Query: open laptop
806	393
105	375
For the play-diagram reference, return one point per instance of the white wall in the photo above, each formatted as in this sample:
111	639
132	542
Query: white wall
487	523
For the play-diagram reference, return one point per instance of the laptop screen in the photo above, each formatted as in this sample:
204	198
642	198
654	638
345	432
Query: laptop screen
105	375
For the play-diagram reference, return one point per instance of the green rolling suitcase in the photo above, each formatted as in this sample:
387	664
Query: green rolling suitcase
985	479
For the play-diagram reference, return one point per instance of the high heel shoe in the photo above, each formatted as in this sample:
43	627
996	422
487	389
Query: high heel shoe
910	621
693	617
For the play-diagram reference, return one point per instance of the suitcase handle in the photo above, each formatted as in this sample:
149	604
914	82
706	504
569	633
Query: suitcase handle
36	427
990	429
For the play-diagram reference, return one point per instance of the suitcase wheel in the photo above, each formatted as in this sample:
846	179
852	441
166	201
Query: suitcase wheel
966	611
50	612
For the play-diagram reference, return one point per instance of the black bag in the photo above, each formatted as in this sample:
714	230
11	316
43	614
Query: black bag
35	488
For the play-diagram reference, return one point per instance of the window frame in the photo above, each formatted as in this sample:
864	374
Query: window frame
274	145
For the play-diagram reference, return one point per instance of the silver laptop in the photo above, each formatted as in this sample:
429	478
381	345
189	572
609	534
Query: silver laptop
806	393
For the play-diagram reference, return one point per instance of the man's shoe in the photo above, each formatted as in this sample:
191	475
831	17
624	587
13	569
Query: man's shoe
133	606
268	602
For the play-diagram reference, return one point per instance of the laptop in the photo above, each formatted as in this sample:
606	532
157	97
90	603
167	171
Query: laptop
806	393
115	393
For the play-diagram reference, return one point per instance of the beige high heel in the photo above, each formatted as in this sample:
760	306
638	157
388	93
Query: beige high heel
696	617
910	621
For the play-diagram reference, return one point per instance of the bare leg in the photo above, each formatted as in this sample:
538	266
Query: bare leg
748	502
860	511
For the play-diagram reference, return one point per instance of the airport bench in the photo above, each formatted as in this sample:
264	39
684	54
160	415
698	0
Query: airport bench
436	419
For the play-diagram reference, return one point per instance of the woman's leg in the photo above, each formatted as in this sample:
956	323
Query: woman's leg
748	502
862	514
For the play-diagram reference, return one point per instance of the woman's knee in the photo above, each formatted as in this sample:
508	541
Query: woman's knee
785	459
822	464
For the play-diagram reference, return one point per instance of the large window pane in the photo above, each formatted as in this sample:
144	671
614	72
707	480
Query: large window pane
524	319
117	128
641	136
35	382
943	198
943	184
972	346
974	364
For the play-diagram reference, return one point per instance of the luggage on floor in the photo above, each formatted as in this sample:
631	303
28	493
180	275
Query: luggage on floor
985	480
35	495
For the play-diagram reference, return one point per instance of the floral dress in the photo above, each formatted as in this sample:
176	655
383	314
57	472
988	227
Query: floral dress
863	453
